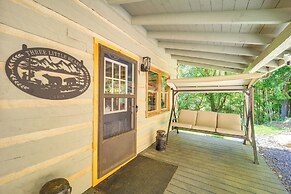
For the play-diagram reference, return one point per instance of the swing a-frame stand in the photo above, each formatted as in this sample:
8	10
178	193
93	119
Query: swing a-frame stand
234	83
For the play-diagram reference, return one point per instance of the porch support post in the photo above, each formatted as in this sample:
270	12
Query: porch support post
251	111
172	114
245	116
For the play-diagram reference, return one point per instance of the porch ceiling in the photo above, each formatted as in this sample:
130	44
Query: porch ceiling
242	36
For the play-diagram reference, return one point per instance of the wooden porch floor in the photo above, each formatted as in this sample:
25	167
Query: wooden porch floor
214	165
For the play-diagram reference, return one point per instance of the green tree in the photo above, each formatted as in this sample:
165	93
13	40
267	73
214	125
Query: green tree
273	96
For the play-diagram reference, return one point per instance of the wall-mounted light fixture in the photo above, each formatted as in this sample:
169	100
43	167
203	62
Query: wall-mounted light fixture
146	64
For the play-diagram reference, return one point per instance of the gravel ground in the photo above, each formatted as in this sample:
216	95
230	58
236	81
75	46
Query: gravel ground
277	156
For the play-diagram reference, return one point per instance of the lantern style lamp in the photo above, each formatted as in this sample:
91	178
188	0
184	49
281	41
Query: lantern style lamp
146	64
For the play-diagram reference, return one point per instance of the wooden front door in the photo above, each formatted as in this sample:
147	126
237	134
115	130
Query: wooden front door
117	110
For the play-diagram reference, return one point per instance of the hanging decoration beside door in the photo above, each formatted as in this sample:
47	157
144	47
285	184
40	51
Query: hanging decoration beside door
47	73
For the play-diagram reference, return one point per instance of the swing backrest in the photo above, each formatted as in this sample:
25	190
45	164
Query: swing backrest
229	121
188	117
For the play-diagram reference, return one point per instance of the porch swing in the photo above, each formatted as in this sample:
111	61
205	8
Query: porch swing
221	124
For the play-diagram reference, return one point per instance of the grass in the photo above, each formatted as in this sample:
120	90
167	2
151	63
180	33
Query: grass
267	130
274	127
216	136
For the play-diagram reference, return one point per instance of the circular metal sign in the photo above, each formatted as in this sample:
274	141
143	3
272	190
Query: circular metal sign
47	73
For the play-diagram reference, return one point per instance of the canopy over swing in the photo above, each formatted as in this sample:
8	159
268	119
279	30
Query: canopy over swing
232	83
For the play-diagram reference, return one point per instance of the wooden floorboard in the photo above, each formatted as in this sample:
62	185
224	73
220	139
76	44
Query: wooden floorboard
225	176
188	187
197	182
214	165
177	189
226	158
199	159
232	178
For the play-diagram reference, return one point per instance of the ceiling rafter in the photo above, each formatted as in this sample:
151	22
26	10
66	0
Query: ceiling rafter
245	38
213	56
119	2
279	45
273	64
233	50
210	62
209	66
259	16
280	63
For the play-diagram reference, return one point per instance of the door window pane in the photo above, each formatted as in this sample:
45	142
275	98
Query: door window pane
122	87
116	86
116	71
108	69
123	73
115	104
122	103
108	86
108	105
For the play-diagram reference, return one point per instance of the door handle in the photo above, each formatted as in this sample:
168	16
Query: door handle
134	107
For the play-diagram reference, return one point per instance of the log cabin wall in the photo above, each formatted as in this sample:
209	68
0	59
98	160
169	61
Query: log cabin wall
44	139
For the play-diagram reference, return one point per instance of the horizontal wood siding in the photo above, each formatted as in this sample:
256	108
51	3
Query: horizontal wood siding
44	139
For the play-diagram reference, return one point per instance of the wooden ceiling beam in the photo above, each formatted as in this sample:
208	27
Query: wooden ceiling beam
273	64
245	38
232	50
281	43
280	63
212	56
118	2
210	62
259	16
209	66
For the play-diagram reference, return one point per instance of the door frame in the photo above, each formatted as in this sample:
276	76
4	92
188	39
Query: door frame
97	43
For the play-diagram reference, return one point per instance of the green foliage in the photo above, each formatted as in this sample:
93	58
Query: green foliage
270	93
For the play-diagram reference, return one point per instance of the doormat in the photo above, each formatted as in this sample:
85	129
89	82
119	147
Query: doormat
141	175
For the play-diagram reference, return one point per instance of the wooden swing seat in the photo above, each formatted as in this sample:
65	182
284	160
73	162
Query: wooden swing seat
222	124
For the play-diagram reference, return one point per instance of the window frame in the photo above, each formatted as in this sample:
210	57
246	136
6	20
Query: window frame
159	93
119	79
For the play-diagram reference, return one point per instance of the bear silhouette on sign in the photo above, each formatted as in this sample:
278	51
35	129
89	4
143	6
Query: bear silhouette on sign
53	80
70	81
